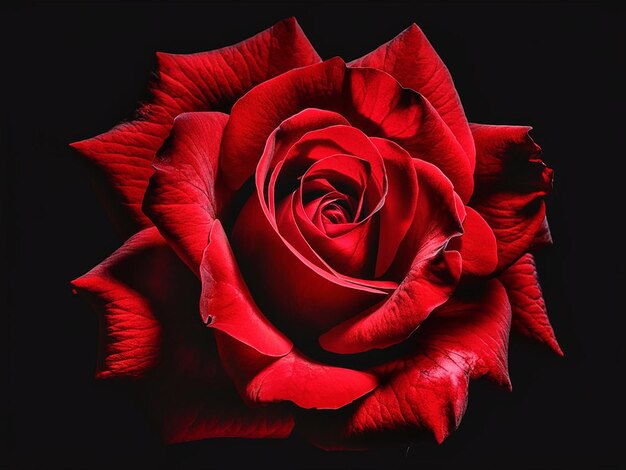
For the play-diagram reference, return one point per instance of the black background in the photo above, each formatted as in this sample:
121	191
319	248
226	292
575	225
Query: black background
70	72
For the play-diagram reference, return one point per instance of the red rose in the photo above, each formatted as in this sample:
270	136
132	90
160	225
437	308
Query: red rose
315	235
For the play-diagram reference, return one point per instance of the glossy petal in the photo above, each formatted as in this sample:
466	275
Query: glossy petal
296	294
209	81
438	218
430	280
402	116
294	378
350	253
530	317
396	216
126	289
511	184
411	59
181	198
226	303
428	284
477	246
427	390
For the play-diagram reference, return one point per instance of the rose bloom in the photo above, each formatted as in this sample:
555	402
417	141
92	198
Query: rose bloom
314	244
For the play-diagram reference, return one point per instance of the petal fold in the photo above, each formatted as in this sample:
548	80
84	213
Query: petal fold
370	99
427	390
129	290
530	317
181	198
226	303
294	378
412	60
208	81
511	185
477	245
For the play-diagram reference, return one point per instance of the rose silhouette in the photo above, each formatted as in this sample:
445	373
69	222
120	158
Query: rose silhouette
315	244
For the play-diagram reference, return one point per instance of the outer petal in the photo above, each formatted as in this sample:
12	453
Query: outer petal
511	184
294	378
209	81
152	329
181	197
529	309
193	398
226	303
429	282
126	290
370	99
477	246
427	390
411	59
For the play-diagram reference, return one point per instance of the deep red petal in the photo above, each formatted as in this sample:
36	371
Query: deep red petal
152	330
427	390
298	293
511	184
428	281
324	143
396	216
294	378
370	99
428	284
407	118
438	217
530	317
181	198
226	303
350	253
129	290
209	81
411	59
477	246
281	141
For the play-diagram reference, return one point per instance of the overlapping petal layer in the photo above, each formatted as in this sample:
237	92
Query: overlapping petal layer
209	81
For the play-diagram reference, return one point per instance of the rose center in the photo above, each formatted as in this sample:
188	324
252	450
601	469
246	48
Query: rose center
336	213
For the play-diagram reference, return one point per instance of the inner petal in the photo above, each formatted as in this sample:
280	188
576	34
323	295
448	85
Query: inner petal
338	191
317	145
332	207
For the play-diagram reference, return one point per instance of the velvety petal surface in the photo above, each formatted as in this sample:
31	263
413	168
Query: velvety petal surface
181	198
226	303
294	378
294	293
397	215
126	290
430	280
412	60
530	317
370	99
477	246
511	185
152	331
427	390
209	81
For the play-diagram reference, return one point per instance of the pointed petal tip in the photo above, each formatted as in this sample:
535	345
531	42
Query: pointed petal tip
441	434
556	347
508	386
79	145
